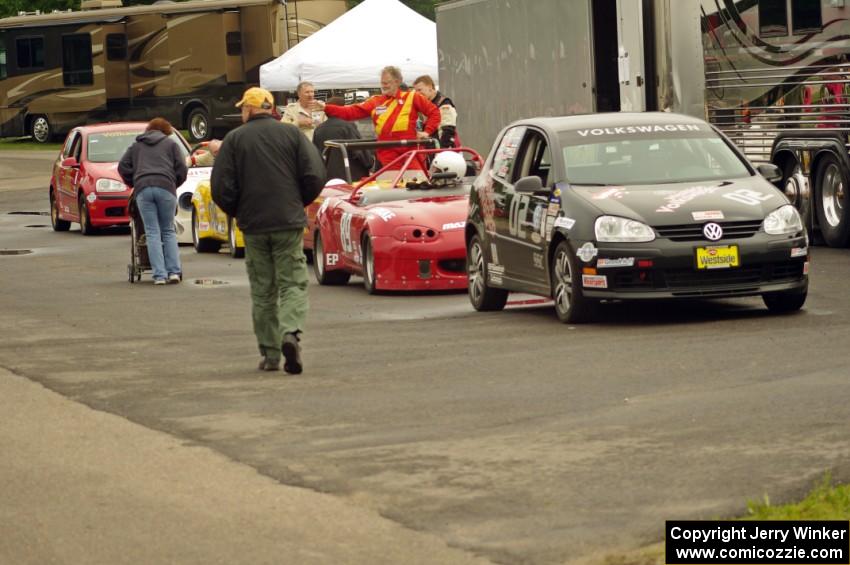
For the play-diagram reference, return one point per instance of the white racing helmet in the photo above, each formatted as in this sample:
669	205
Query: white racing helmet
449	162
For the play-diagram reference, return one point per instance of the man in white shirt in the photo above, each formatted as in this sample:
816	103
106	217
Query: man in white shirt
299	113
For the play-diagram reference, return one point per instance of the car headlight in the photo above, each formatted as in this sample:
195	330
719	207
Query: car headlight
618	230
109	185
782	221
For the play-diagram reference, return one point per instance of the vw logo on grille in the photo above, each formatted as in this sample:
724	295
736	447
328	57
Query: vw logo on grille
712	231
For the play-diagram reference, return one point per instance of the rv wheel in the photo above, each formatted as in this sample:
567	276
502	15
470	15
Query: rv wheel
199	125
40	129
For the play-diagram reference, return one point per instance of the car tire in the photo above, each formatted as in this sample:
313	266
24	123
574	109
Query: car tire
483	298
85	218
785	302
571	306
40	129
323	276
832	201
235	251
796	187
369	275
58	223
198	125
204	245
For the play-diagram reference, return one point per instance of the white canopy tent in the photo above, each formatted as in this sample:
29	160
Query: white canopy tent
351	50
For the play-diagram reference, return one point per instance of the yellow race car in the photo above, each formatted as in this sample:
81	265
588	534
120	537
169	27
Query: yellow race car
211	226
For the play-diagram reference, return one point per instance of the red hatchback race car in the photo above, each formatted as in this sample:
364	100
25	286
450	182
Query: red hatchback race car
85	186
401	228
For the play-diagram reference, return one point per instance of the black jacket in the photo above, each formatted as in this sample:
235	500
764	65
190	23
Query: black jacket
360	161
153	160
265	174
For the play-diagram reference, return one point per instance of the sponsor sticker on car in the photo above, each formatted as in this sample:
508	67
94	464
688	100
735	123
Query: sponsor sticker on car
611	263
594	281
717	257
799	252
707	215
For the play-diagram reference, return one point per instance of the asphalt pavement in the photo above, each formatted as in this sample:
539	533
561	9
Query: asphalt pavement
419	429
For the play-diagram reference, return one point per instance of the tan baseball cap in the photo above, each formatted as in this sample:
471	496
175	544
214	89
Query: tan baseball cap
258	98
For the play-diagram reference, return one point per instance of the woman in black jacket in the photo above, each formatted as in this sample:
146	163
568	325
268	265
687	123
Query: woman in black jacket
154	167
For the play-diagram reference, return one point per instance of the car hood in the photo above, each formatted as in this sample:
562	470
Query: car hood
193	178
434	212
103	170
750	198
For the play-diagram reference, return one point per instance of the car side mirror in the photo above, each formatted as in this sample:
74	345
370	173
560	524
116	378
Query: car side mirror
529	185
770	172
70	162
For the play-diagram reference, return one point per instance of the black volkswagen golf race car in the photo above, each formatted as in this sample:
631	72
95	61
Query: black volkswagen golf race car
629	206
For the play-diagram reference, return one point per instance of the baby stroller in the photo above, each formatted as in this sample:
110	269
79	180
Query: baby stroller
139	261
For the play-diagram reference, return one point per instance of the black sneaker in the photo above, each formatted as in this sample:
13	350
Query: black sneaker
292	354
267	364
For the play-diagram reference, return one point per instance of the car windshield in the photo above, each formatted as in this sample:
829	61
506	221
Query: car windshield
620	160
109	146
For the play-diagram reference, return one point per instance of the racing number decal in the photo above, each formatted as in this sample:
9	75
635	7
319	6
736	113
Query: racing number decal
345	233
516	215
748	197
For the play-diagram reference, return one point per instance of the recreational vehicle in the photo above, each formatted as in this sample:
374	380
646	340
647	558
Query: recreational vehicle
188	62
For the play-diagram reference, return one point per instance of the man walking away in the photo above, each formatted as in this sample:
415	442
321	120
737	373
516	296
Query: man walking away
264	175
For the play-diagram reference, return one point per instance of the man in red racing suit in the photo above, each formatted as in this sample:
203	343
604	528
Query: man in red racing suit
394	113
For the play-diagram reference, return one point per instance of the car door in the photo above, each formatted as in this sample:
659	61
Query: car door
495	203
524	242
68	176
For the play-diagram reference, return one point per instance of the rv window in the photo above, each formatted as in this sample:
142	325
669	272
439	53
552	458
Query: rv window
2	57
116	46
76	60
30	52
773	18
806	16
234	43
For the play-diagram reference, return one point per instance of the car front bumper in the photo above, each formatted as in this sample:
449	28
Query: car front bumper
414	265
667	269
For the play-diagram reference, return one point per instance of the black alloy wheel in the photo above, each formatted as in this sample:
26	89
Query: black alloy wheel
483	298
570	304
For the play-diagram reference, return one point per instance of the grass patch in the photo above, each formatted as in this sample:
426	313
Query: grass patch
26	144
826	501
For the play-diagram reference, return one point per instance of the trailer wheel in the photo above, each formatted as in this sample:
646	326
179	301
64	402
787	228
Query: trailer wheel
40	129
832	201
198	124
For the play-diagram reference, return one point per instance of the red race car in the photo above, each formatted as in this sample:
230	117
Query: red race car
401	228
85	186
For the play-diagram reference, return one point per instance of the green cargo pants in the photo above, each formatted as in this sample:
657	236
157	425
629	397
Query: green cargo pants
277	271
